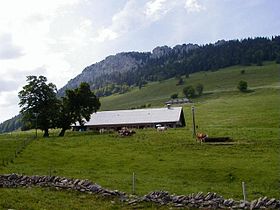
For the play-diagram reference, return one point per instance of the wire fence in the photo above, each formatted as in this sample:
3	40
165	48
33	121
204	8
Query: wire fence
10	158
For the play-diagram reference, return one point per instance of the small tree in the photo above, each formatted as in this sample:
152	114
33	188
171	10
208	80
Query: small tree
189	91
199	89
242	86
173	96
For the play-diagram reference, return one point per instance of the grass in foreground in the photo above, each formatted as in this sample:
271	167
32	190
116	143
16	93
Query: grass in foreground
36	198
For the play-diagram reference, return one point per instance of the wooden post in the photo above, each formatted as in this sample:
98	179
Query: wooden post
194	127
133	183
244	191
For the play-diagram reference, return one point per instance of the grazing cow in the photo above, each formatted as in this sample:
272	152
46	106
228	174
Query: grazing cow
161	128
201	137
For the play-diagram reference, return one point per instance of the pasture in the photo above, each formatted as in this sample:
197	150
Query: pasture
171	160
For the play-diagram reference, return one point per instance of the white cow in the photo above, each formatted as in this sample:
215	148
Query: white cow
161	128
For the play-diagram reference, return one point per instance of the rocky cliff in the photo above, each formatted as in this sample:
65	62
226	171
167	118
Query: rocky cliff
123	63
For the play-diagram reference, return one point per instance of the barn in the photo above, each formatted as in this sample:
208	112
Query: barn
137	118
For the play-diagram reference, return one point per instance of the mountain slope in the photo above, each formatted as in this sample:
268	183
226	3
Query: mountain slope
221	82
119	68
135	68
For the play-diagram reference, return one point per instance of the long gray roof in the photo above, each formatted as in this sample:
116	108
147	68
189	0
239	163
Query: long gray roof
136	116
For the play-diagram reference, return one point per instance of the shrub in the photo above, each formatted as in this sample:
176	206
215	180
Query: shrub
173	96
189	91
242	86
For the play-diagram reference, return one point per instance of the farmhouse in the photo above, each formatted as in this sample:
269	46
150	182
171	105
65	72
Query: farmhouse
137	118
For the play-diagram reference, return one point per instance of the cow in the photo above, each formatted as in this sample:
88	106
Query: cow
161	128
201	137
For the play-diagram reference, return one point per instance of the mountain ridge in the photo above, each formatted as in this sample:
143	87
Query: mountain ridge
163	62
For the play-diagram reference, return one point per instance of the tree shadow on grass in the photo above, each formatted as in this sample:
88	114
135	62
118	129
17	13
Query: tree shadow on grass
207	94
248	91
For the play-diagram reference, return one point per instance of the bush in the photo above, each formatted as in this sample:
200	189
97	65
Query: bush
189	91
173	96
242	86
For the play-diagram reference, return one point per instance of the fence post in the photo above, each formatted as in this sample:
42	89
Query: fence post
133	183
194	126
244	192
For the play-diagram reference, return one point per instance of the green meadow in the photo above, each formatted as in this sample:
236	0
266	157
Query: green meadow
225	80
172	161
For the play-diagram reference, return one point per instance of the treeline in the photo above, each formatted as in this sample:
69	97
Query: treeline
211	57
111	89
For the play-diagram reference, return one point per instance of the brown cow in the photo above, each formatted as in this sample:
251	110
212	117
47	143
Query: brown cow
201	137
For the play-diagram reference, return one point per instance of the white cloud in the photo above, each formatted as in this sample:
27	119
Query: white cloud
7	85
106	34
8	105
21	9
156	9
25	47
193	6
8	98
7	48
134	16
129	18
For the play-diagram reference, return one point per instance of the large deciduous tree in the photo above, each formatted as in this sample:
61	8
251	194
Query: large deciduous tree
77	106
38	102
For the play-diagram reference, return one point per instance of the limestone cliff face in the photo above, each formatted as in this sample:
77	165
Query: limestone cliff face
124	62
163	51
121	62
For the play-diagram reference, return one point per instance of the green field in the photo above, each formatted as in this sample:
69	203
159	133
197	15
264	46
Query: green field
171	160
156	93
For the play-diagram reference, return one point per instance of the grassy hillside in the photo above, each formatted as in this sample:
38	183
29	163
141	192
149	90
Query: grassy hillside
227	79
171	160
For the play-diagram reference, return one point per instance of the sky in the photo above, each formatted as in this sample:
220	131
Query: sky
59	38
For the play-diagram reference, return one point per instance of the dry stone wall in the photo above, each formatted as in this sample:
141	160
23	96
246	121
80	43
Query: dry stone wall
195	200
